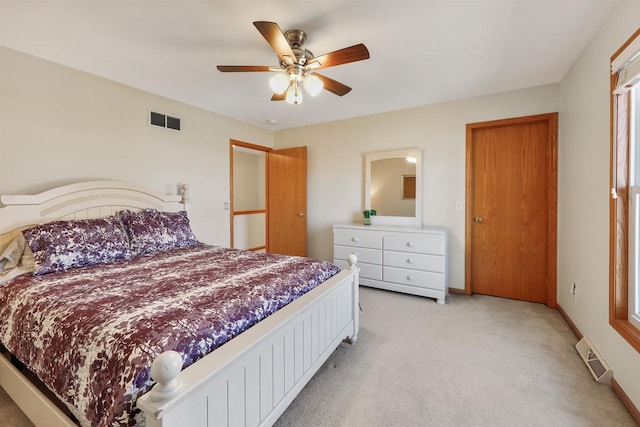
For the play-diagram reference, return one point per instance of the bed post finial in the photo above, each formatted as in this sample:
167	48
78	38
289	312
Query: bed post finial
165	370
186	197
352	259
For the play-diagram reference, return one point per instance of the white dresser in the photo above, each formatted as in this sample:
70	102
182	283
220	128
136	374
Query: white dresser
405	259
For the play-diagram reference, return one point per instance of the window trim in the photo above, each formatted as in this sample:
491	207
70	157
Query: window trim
634	250
634	207
619	212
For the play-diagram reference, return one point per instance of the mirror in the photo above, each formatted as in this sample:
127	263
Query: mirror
393	186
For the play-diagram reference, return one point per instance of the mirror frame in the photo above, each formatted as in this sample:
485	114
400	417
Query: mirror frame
394	220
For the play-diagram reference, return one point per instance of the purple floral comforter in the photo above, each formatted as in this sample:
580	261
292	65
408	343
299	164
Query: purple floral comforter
91	333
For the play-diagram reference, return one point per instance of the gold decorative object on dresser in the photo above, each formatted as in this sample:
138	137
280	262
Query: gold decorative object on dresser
413	260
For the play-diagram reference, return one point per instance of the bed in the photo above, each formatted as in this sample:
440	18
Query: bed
249	379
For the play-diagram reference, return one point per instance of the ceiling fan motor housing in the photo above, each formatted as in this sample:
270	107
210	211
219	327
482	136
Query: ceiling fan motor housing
296	38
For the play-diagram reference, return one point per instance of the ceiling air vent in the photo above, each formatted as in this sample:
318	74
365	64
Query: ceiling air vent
596	364
164	120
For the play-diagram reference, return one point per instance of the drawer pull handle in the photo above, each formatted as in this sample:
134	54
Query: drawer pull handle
410	278
354	239
410	261
410	244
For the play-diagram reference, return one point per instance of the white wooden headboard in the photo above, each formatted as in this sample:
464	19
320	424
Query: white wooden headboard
84	200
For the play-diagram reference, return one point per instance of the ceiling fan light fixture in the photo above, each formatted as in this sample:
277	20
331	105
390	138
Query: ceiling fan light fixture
294	93
279	83
313	84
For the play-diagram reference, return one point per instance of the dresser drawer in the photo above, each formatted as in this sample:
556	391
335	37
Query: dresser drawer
423	279
366	255
370	271
418	243
367	271
423	262
359	238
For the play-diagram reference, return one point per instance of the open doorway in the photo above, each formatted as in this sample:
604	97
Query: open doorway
249	195
268	198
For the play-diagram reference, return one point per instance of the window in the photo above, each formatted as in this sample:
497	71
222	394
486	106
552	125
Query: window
624	307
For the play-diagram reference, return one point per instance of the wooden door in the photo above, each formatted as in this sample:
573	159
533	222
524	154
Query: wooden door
287	220
511	208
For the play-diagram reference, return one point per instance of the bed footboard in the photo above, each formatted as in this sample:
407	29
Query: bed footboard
251	380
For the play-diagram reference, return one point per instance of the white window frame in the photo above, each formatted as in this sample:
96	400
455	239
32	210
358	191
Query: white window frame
634	207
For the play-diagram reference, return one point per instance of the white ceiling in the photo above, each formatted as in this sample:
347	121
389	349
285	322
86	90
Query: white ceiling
422	51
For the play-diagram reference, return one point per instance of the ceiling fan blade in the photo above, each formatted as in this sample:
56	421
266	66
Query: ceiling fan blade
353	53
273	34
242	68
279	96
333	86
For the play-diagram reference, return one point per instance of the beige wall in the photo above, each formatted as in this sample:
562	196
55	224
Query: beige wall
583	208
59	125
336	161
249	180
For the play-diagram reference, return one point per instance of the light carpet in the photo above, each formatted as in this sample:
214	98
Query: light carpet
475	361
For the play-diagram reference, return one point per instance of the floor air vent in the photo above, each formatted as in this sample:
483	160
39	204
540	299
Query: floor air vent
596	364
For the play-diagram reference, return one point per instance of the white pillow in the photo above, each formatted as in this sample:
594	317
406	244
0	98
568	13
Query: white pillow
12	254
16	259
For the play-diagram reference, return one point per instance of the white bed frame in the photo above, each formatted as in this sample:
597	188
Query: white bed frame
248	381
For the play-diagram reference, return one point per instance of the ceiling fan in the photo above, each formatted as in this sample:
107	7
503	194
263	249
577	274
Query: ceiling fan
298	65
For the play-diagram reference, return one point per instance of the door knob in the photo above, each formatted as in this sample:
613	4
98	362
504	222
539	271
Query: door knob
301	214
478	219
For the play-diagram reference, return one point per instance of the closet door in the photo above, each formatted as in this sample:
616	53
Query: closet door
511	208
287	219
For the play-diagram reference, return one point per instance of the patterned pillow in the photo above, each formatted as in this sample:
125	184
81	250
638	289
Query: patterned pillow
152	231
61	245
